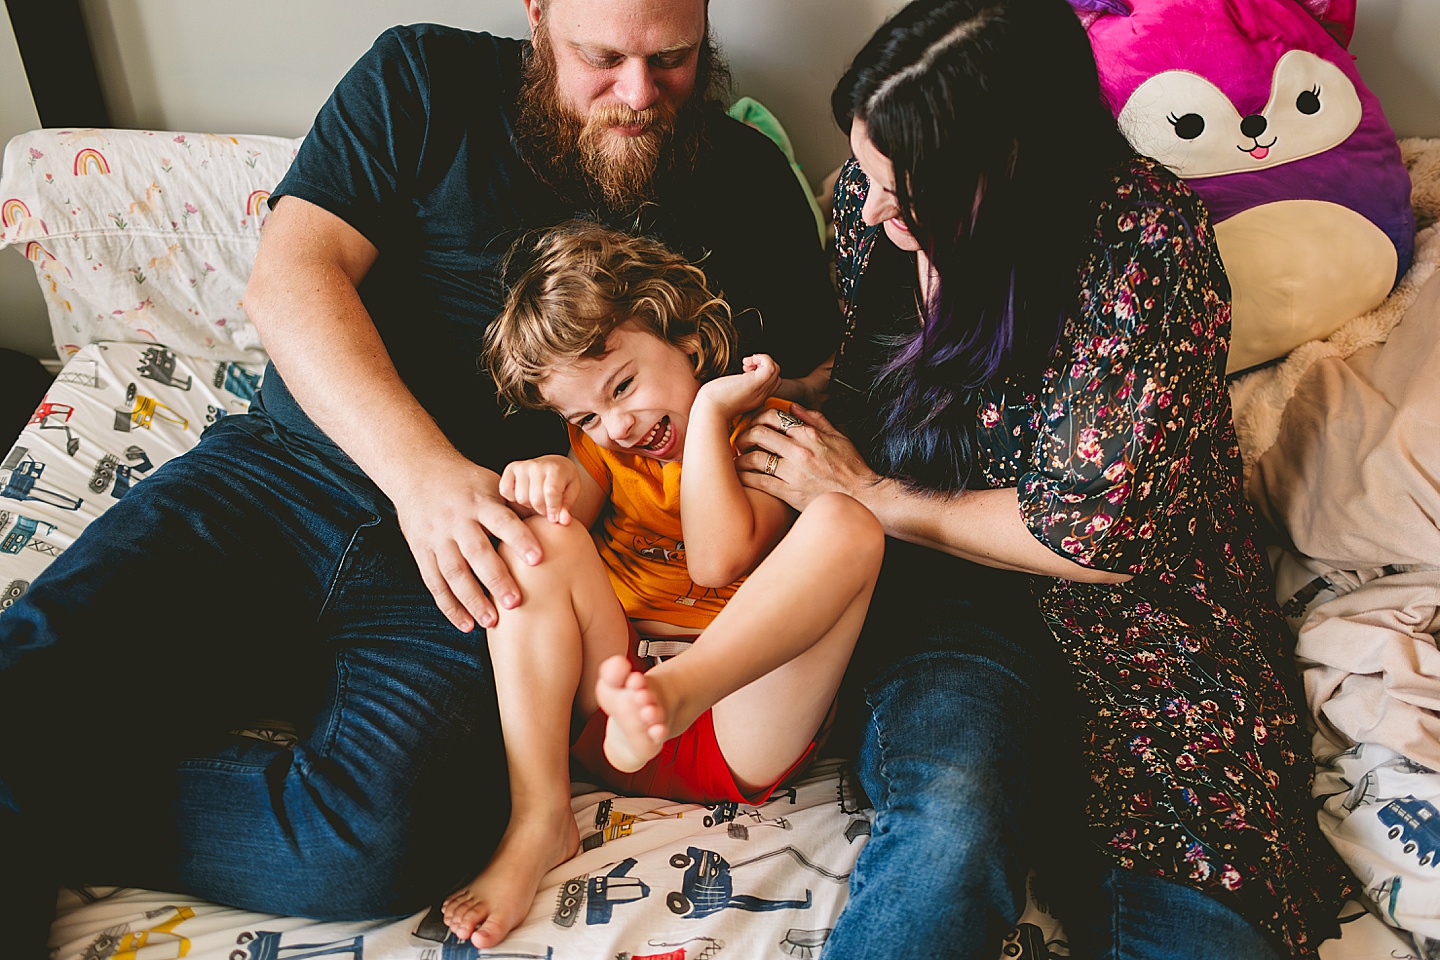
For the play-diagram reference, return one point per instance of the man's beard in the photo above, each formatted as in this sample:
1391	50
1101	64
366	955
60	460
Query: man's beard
584	158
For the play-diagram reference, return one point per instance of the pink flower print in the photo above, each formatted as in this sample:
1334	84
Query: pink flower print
1230	878
1177	707
1194	853
191	208
1098	524
180	138
35	154
1072	545
1127	221
1262	733
990	416
1147	530
1087	447
1116	470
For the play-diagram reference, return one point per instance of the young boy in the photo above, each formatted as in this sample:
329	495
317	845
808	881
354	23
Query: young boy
622	338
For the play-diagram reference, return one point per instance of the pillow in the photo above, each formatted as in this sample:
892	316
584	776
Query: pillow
142	236
1263	113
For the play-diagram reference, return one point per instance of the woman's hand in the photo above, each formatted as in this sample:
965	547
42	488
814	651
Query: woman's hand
813	458
544	487
737	393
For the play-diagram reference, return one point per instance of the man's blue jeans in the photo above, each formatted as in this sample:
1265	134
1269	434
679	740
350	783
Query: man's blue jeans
968	750
240	583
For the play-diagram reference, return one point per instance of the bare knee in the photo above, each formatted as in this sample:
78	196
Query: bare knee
563	549
847	526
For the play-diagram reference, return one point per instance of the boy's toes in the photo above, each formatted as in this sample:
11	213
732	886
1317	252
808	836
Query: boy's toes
615	671
490	933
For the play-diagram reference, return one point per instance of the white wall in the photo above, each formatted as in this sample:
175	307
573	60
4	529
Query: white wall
266	66
22	312
1397	50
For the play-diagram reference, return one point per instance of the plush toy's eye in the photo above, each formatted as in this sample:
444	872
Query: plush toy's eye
1187	127
1309	101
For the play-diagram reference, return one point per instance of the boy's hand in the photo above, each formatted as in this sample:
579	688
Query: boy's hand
735	394
546	487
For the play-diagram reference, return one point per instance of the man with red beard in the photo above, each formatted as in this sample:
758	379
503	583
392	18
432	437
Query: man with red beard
328	556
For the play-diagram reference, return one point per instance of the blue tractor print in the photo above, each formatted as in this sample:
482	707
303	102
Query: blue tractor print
266	945
25	533
706	888
1416	824
598	895
238	380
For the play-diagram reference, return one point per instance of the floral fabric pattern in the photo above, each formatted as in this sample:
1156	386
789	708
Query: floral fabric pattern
1125	459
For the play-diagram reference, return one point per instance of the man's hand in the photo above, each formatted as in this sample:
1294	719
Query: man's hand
546	486
449	513
735	394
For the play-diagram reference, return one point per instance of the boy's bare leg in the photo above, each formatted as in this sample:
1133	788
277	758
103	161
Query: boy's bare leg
568	614
770	663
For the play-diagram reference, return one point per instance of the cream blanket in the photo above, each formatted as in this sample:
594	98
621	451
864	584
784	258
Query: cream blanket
1354	477
1342	445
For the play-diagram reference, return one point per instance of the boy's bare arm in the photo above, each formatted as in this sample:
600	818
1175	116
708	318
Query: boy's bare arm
728	527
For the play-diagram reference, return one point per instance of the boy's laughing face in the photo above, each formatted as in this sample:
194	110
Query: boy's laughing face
633	398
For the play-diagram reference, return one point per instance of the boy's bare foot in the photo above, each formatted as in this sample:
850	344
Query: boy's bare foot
638	723
497	901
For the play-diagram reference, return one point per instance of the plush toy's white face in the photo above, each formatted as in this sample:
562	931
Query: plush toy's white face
1188	124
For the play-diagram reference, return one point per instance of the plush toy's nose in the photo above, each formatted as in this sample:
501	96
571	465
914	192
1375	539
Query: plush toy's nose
1253	125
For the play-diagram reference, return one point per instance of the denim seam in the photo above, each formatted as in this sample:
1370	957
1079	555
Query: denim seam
343	565
884	757
342	686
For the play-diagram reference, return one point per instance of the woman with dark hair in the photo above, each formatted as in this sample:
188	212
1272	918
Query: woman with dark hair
1032	401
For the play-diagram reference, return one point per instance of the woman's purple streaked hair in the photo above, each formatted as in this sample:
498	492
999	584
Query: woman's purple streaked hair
991	113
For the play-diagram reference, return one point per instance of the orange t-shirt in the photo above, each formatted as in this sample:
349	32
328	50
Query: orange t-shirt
639	535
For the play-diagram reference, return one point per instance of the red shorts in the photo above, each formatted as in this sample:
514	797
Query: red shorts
688	768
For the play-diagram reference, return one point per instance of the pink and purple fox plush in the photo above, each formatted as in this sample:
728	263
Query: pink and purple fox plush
1256	104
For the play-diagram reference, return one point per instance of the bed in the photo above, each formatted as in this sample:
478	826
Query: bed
141	242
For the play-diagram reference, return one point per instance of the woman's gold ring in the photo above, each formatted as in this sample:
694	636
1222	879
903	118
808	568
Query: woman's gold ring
771	462
787	421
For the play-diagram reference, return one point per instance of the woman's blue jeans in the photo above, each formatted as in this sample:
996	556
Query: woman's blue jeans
237	584
967	746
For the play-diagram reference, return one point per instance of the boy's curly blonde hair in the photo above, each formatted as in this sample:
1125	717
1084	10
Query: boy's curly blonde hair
585	280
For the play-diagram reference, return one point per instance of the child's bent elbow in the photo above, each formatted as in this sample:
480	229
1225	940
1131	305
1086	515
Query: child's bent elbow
714	575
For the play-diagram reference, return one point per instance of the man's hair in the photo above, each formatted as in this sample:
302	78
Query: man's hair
582	281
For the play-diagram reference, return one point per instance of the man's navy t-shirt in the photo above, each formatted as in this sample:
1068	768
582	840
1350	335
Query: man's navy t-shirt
417	150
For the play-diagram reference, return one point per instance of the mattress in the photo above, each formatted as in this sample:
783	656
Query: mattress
654	879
